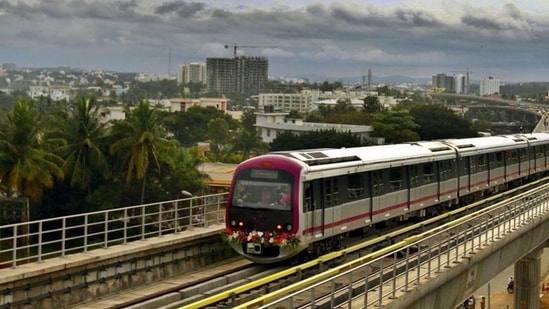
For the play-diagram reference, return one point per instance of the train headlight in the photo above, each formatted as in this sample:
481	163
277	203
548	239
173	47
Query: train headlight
232	223
289	227
278	227
240	223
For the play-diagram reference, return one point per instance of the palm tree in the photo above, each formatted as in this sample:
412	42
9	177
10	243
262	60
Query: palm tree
27	164
83	131
140	140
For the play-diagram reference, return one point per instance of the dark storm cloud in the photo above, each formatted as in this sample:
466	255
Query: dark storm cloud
483	23
509	19
417	18
122	10
354	17
342	33
182	8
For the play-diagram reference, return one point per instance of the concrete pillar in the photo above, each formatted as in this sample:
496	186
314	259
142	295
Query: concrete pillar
527	279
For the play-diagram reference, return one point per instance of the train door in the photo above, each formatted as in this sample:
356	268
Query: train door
314	208
330	197
524	162
377	189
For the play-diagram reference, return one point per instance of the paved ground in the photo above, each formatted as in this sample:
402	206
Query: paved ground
500	299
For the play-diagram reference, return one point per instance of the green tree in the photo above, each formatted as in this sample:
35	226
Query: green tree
220	137
181	171
27	163
396	126
141	139
372	105
248	143
343	105
83	132
294	114
191	126
438	122
315	139
218	131
248	119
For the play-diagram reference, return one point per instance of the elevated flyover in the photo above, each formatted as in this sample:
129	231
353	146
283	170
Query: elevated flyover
505	116
439	268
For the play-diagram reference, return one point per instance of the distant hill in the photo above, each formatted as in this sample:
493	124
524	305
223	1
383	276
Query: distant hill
393	79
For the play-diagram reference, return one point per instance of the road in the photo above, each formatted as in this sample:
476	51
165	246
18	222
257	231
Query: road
500	299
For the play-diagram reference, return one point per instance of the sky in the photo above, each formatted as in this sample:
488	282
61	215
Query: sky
319	39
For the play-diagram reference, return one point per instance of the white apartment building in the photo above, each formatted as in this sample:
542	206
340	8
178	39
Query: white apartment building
489	86
309	100
55	93
302	102
191	72
358	103
269	125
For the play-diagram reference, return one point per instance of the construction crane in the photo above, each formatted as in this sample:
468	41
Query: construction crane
235	47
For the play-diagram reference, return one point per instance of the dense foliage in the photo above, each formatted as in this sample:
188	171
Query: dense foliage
315	139
66	160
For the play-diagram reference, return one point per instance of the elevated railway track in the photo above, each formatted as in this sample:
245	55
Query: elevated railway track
381	258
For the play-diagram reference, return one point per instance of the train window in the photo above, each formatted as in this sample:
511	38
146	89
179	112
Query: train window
447	169
331	192
511	157
396	178
355	186
414	176
496	159
428	173
377	183
307	197
443	170
452	173
464	165
538	150
478	163
262	194
523	154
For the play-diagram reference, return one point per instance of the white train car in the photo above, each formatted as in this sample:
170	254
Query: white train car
323	194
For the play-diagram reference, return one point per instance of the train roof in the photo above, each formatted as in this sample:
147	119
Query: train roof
344	160
481	144
422	151
536	138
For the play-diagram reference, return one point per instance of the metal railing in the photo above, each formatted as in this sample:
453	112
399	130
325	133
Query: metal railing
377	278
36	241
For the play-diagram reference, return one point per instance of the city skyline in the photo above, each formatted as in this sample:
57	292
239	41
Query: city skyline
316	38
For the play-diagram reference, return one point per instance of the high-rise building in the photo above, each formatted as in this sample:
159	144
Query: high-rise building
489	86
452	84
459	83
246	75
191	72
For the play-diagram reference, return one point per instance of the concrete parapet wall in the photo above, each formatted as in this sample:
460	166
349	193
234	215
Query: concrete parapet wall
460	280
68	281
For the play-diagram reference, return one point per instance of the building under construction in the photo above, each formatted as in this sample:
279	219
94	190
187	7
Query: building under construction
245	75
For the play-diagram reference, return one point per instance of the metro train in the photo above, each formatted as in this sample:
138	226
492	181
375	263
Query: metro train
304	202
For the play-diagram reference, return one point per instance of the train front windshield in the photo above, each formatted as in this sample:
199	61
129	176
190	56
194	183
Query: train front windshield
263	189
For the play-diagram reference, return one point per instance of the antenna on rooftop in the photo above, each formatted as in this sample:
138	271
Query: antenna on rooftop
169	60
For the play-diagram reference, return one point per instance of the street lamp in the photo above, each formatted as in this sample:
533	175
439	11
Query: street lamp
186	193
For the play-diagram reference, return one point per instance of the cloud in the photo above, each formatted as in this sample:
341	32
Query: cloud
181	8
308	35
